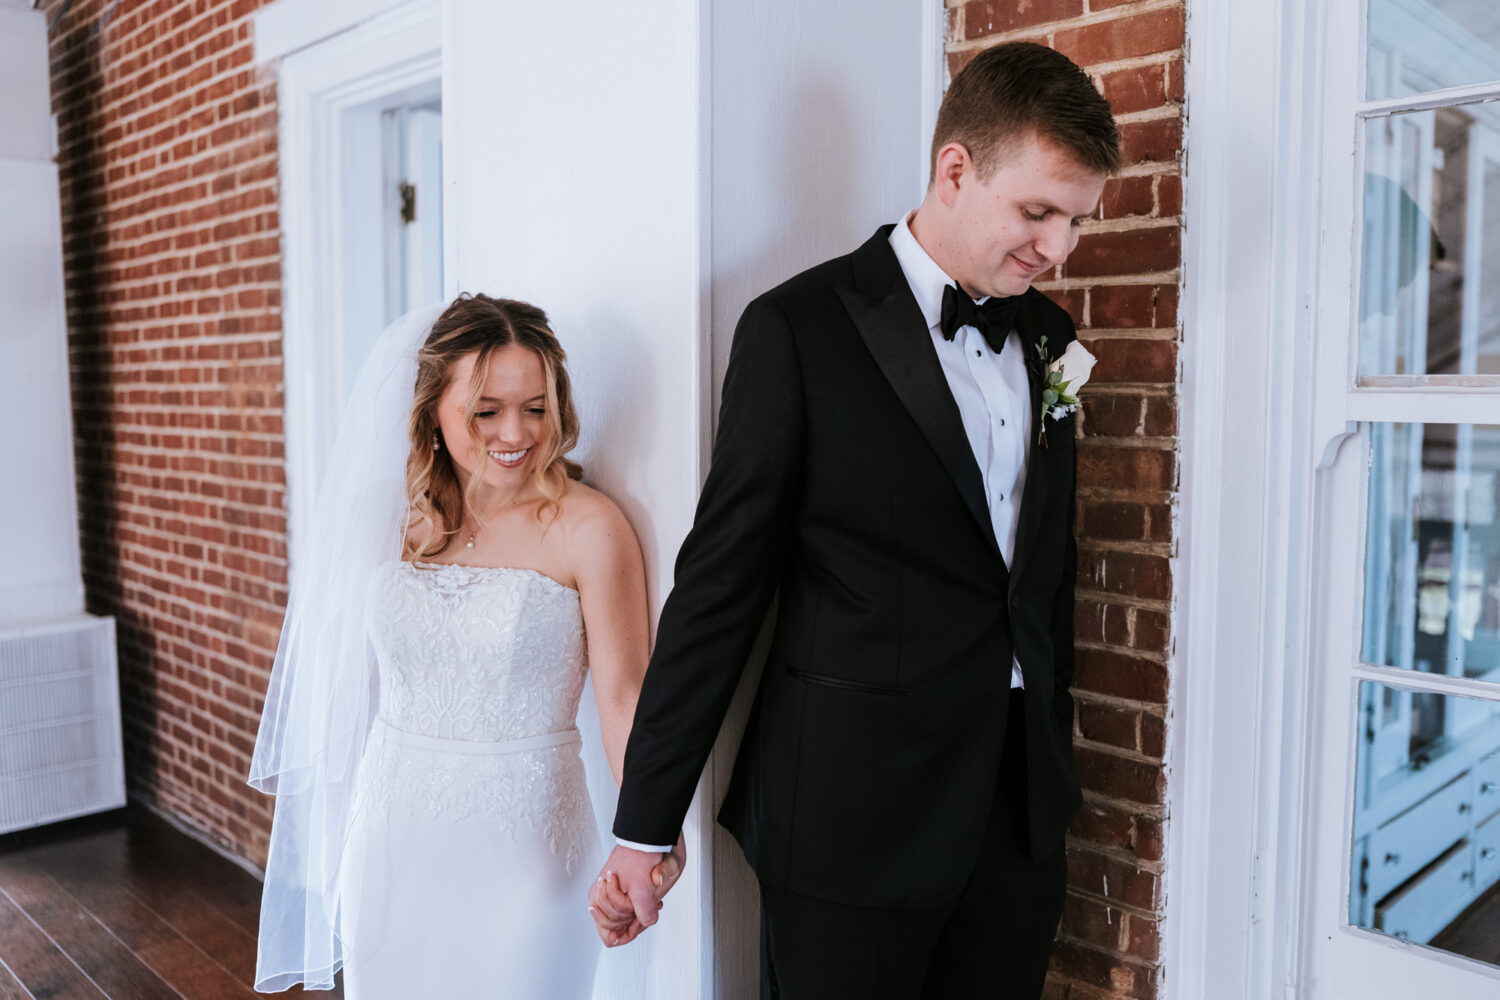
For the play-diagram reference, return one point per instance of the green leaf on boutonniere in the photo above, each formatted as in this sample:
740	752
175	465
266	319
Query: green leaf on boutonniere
1049	397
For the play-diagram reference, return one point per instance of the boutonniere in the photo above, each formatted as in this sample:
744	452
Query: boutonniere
1062	378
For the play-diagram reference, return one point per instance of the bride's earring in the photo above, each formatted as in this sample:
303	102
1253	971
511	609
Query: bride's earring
435	445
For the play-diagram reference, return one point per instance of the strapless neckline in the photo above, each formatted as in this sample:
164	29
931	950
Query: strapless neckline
428	567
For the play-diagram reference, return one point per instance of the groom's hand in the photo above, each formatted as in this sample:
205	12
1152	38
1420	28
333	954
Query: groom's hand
626	897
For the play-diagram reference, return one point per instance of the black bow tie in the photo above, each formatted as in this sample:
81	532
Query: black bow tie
994	318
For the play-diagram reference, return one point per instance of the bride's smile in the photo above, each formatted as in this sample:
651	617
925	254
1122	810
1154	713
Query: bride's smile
493	418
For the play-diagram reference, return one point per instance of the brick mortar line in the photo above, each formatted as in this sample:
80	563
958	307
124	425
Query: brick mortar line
1151	656
143	210
1129	224
1119	545
148	574
139	204
1121	854
1152	708
1144	603
1151	168
97	174
1066	284
1124	753
1162	112
1145	390
1135	443
1165	334
1145	964
261	437
112	275
1150	653
202	522
209	340
139	326
1114	904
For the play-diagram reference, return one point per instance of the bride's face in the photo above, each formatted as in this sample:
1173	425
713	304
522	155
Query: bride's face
511	417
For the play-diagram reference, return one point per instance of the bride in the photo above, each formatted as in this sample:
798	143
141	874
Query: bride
433	833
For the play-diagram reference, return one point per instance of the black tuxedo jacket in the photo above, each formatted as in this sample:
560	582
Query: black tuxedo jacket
841	475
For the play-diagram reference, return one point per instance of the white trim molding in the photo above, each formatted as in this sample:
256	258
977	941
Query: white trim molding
398	50
288	26
1254	434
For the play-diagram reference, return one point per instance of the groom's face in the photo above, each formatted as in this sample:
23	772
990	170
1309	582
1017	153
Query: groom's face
1023	220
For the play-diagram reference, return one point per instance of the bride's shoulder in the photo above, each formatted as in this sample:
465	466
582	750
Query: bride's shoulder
593	526
582	508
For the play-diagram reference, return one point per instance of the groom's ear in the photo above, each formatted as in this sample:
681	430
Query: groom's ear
951	169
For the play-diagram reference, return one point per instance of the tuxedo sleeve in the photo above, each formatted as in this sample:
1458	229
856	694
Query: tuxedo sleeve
727	571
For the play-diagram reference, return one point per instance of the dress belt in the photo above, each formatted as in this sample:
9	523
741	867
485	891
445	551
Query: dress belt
561	738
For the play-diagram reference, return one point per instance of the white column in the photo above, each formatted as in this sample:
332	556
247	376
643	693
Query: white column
39	571
641	171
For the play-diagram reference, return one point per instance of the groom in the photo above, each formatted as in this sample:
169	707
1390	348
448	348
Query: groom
885	459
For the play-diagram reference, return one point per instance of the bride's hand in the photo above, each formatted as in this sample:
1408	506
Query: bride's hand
665	874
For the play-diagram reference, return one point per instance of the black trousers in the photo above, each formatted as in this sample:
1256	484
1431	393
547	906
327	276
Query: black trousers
991	942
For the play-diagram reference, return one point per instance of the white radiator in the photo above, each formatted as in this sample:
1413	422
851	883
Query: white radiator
60	750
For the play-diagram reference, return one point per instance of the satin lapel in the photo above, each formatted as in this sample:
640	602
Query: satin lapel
895	333
1038	469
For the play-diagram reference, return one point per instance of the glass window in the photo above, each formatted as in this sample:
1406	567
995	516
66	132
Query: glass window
1426	847
1432	549
1414	46
1429	300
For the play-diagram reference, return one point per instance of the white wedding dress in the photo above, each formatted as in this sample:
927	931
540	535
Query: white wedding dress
472	840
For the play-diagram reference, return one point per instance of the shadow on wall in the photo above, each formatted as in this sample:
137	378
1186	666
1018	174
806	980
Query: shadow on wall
814	176
81	127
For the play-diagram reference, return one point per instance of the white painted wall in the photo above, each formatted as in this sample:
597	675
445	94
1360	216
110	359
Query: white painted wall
641	171
820	119
39	572
572	153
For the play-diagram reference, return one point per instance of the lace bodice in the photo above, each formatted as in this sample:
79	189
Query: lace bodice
471	661
476	653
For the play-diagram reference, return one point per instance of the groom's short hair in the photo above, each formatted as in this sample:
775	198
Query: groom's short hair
1020	88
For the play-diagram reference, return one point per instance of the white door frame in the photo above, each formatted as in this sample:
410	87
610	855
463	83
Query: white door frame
1265	411
332	57
1254	431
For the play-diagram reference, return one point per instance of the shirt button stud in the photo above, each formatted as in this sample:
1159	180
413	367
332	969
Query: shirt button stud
1002	421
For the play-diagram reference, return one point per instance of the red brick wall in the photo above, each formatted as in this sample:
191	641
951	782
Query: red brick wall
167	135
1121	287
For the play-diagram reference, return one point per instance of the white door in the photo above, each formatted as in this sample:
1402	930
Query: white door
1402	897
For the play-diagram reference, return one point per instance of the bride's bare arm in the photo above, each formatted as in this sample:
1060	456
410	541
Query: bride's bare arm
611	580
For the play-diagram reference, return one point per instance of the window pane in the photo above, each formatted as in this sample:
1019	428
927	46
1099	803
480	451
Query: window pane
1430	283
1415	46
1432	550
1426	838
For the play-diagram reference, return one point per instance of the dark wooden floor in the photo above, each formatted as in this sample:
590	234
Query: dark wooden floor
124	907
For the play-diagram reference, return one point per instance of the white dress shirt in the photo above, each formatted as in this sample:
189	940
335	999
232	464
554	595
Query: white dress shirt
993	396
994	400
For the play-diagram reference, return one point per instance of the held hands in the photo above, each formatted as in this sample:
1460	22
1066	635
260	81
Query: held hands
626	897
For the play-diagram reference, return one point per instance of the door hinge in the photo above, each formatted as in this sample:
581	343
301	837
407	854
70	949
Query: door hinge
408	203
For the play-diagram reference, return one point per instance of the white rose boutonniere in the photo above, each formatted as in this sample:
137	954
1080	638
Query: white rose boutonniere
1062	378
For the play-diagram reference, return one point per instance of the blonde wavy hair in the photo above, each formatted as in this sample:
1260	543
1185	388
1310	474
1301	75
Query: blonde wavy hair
436	498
